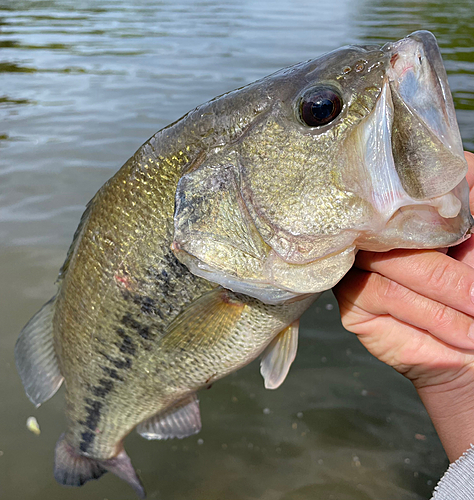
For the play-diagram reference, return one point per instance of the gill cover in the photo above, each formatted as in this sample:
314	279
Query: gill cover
215	237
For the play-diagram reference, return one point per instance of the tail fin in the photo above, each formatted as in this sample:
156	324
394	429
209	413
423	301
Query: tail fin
74	469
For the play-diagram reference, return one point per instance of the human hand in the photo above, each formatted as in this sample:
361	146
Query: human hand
414	310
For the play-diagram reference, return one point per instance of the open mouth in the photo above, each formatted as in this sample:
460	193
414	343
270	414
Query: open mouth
412	146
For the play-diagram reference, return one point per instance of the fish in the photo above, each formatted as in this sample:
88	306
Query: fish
203	251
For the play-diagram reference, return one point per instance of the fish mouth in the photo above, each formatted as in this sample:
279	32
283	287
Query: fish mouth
413	150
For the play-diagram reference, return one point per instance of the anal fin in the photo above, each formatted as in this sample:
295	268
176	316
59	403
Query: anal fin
278	356
35	357
182	420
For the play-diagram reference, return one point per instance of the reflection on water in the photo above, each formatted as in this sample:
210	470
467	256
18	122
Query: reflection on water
84	83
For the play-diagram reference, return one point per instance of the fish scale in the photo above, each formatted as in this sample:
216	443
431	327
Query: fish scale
87	415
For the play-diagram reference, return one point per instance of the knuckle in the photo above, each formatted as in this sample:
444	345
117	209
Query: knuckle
439	274
444	274
390	290
348	321
462	283
441	316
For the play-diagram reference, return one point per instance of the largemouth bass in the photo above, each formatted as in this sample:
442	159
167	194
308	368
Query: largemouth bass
201	253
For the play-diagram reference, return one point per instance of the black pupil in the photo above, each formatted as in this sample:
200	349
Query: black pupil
320	107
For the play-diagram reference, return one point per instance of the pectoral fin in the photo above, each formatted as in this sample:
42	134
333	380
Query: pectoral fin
204	322
180	421
279	355
35	357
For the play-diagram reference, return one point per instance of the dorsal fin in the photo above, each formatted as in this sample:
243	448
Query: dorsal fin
180	421
35	357
278	356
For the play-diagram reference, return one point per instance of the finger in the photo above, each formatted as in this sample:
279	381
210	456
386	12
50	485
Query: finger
464	252
370	295
470	177
432	274
415	353
470	163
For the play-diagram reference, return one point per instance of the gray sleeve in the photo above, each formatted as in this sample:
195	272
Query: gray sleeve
458	481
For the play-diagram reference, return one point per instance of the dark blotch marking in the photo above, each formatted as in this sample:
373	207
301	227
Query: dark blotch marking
112	373
127	346
143	331
123	364
165	282
161	281
147	305
120	364
178	269
130	322
167	279
104	387
93	416
93	413
87	439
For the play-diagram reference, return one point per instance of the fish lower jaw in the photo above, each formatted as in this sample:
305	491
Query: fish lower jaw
447	206
425	213
417	226
388	202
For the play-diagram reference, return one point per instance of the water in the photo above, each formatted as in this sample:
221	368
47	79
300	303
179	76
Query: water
83	85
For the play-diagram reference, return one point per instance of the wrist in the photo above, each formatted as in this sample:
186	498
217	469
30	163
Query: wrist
450	406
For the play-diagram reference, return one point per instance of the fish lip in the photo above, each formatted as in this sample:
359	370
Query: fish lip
414	60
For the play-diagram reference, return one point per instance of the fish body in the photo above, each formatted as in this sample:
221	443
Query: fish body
204	249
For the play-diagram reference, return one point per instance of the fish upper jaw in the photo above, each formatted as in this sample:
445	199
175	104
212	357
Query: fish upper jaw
417	74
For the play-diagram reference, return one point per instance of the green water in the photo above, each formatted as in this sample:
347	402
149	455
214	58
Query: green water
83	85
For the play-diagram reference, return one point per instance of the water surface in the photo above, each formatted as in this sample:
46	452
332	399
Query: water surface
84	84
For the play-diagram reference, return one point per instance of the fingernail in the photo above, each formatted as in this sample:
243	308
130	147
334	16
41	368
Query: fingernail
472	293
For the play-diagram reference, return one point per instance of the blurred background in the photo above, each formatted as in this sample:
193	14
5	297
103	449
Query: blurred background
83	84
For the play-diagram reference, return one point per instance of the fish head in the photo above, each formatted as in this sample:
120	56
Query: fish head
358	149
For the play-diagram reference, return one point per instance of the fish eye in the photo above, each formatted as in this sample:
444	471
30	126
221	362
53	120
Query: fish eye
320	106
